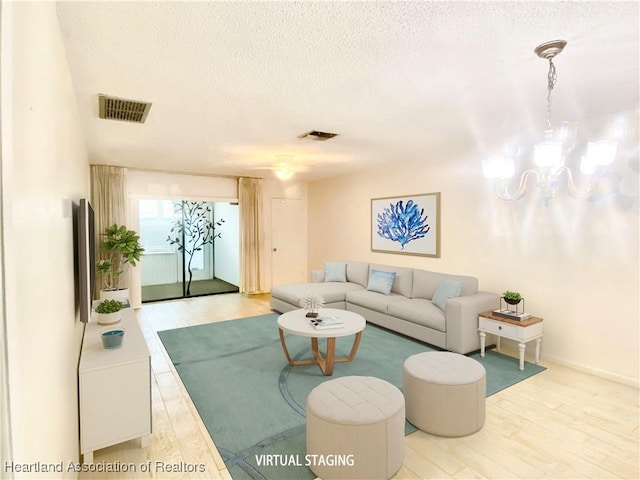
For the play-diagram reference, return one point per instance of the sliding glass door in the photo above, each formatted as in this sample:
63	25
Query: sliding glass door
190	248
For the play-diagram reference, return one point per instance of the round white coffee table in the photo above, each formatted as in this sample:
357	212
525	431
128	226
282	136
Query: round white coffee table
296	323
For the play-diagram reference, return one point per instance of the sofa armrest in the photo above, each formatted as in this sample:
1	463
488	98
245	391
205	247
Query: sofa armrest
317	276
461	317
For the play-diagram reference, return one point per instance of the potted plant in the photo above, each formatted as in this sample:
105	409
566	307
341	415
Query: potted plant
122	248
109	312
512	298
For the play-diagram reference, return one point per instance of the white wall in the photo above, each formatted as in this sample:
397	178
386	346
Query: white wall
44	168
171	186
575	261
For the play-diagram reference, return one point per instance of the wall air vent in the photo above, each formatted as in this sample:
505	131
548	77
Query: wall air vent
113	108
317	135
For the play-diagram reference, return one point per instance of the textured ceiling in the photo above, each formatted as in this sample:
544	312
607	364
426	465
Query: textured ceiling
233	84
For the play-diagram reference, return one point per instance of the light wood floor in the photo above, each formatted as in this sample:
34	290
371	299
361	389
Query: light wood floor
559	424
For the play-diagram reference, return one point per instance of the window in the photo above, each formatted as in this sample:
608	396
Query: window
156	221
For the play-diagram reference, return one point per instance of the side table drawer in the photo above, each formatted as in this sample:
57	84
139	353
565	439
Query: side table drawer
498	328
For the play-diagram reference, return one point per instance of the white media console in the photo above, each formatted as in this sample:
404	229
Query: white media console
115	388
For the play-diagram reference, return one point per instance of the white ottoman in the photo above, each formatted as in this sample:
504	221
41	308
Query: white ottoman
355	429
445	393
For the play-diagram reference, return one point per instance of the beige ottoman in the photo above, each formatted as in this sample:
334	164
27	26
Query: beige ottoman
445	393
355	428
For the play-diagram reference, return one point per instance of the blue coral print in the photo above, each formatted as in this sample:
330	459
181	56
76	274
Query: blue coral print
403	223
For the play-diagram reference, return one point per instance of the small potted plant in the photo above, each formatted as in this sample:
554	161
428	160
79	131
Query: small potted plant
109	312
122	248
512	298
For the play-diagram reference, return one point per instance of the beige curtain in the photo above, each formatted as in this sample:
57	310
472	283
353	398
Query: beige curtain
109	201
251	233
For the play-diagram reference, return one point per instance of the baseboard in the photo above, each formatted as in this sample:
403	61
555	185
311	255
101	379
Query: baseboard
632	382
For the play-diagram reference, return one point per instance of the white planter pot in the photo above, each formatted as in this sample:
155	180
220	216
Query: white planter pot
122	295
108	318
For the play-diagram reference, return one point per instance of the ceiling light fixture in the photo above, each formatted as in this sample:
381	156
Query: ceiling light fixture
550	154
284	171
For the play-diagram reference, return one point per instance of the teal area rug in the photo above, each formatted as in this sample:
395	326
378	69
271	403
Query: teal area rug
253	403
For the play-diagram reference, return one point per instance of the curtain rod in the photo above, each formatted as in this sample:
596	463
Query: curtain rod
174	172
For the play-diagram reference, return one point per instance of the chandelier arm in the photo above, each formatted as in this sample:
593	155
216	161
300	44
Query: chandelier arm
502	190
572	187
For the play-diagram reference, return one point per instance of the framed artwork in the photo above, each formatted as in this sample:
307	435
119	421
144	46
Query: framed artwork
408	225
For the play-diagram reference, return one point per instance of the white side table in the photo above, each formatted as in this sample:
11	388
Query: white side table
522	331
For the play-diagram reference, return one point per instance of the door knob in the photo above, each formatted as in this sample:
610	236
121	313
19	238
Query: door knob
275	249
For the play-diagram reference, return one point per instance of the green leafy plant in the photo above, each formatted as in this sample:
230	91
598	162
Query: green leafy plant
512	297
122	248
192	230
109	306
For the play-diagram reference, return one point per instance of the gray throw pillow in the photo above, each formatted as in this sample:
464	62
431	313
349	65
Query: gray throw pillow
335	272
445	290
381	282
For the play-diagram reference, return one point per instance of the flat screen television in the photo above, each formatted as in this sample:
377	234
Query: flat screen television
86	274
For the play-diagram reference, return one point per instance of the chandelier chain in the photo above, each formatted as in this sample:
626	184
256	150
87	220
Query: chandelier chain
551	82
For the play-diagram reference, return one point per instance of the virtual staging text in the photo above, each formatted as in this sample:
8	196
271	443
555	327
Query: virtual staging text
283	460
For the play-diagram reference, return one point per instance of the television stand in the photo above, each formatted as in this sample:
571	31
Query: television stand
114	388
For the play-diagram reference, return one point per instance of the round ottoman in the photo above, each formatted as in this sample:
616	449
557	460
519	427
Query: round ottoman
355	428
445	393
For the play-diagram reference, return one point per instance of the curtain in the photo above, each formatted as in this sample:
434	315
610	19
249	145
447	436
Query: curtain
109	201
251	233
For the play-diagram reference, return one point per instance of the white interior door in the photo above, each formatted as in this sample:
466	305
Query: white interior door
288	241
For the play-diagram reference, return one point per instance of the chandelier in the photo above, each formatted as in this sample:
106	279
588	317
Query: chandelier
549	155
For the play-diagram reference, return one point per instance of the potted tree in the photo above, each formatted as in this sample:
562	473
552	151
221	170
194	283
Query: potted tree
122	248
109	312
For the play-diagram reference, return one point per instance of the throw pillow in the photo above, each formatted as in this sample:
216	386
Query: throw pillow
335	272
381	282
446	289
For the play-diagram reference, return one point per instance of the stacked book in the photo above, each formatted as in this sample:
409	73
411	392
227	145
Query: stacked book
324	323
512	315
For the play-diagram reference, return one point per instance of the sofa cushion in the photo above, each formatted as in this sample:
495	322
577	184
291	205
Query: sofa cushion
335	272
380	282
330	291
373	300
446	289
426	282
403	282
419	311
358	272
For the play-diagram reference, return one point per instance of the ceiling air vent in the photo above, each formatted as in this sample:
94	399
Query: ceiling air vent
317	135
113	108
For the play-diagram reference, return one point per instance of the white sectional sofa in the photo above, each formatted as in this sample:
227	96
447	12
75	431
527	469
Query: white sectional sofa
407	308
